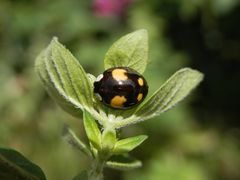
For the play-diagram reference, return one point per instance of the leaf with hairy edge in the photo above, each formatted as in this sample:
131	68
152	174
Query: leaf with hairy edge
14	166
176	88
123	162
128	144
74	141
129	51
64	78
93	133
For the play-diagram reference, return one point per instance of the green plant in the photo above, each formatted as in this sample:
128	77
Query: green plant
72	88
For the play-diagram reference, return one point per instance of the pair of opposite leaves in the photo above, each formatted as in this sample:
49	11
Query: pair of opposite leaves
72	88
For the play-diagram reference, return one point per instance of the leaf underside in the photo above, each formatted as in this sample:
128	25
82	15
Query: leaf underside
64	78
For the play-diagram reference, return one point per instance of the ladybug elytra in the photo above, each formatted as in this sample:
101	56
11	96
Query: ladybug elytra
121	88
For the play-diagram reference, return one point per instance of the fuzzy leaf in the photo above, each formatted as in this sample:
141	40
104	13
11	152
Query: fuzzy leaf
15	166
64	78
123	162
176	88
128	144
108	139
93	133
74	141
129	51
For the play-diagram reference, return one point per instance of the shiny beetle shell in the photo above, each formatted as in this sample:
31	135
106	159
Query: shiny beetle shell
121	88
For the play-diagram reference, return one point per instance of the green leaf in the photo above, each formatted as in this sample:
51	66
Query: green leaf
129	51
74	141
176	88
93	133
128	144
14	166
123	162
82	176
64	78
108	139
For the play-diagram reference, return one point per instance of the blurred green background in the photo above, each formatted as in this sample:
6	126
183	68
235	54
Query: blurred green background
197	140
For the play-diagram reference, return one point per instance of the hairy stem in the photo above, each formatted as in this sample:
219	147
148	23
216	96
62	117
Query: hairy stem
101	155
96	171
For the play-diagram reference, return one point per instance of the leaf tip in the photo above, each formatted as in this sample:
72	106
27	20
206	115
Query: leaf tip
144	137
197	75
200	75
142	31
54	39
54	43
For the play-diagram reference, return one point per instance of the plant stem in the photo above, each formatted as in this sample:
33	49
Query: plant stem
96	171
101	156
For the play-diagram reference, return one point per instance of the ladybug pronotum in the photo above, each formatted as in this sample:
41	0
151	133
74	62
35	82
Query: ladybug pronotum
121	88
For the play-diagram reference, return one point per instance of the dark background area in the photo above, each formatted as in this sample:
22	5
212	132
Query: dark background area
198	139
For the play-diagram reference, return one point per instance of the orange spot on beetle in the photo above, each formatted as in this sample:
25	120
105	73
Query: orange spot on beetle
117	101
140	96
140	81
119	74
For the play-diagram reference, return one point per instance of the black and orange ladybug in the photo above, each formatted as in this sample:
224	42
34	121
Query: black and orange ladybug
121	88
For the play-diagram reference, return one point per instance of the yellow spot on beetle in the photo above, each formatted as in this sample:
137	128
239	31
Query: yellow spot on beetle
140	81
140	96
117	101
119	74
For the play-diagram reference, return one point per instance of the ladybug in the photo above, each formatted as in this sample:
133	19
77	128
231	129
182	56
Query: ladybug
121	88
